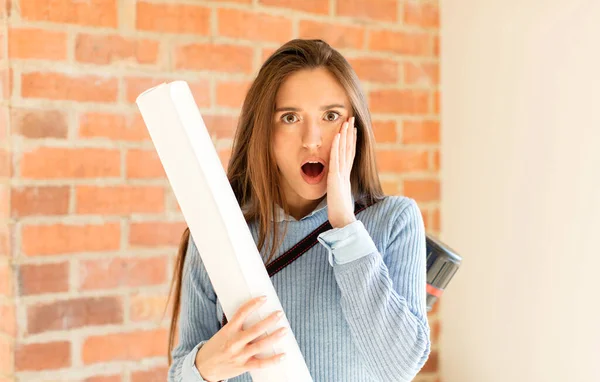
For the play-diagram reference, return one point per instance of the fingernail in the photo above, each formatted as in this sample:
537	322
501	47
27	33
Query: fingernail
279	314
262	298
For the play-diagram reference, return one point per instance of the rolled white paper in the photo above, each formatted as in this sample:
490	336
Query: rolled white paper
216	222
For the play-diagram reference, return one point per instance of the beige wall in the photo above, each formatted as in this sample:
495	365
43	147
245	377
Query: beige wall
521	189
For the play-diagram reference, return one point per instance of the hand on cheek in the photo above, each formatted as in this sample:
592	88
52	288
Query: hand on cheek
339	191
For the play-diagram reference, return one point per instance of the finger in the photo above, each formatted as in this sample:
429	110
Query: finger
259	363
349	144
354	145
244	312
349	140
248	335
342	150
333	157
264	343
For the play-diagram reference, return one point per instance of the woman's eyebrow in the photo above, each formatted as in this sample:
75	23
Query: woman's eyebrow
326	107
333	106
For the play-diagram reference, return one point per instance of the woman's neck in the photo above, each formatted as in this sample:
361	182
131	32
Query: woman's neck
299	209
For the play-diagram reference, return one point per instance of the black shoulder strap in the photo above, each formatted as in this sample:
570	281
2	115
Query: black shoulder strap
301	248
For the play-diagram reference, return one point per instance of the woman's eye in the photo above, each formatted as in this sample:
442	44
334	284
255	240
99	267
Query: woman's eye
332	116
289	118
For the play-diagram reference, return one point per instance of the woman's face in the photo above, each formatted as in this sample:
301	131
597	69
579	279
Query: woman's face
310	108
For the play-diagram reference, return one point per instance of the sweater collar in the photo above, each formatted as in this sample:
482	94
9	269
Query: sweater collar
281	216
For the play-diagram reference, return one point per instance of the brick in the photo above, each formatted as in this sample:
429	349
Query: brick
3	119
402	161
6	83
124	272
104	378
42	356
436	46
157	374
151	234
224	156
5	240
421	74
58	86
143	164
74	313
149	308
4	201
6	279
35	123
106	49
98	13
173	18
425	217
436	160
436	102
5	164
134	86
119	200
432	363
311	6
66	238
118	127
39	200
220	58
220	126
375	69
254	26
425	131
424	15
405	43
35	43
385	131
390	187
132	346
6	356
8	324
56	163
232	93
422	190
413	102
381	10
435	331
339	36
266	53
43	278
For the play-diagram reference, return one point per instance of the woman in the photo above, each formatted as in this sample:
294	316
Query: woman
303	154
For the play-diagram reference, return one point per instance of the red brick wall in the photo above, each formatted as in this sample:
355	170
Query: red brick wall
82	193
7	306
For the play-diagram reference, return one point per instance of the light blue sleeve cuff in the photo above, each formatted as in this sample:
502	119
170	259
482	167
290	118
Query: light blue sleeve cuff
348	243
189	372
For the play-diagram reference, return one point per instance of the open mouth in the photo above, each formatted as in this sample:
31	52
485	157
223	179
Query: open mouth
313	170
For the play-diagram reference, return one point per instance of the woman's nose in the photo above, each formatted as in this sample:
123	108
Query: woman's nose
312	138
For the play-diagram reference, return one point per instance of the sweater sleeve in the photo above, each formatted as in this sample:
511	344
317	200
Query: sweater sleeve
383	295
197	318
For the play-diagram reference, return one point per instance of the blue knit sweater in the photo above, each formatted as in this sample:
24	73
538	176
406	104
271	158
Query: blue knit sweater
355	302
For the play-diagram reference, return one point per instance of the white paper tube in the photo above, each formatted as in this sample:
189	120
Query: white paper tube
215	219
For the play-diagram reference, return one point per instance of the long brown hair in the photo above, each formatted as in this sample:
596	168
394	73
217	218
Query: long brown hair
256	186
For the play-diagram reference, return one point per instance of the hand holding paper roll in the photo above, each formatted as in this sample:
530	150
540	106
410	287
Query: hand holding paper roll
232	351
